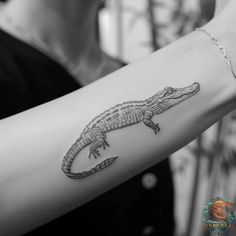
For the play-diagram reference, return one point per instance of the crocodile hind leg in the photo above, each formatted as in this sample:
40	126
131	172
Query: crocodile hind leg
98	138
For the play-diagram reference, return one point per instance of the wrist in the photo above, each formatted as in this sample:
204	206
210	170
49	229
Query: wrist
227	37
223	24
223	42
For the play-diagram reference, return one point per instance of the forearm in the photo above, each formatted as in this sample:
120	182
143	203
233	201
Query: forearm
34	190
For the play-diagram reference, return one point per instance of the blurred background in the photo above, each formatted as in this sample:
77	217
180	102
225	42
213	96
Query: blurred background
129	30
206	168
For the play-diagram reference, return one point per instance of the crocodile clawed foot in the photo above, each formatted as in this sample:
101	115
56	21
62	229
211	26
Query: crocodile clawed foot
95	154
105	143
156	128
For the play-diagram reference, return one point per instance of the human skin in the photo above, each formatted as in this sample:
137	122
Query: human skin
34	190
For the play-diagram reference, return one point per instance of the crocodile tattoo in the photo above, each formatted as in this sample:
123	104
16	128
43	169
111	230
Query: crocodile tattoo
121	116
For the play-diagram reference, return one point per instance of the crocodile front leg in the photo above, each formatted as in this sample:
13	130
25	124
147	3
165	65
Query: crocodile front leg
147	120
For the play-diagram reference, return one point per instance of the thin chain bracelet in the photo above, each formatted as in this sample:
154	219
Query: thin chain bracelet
220	47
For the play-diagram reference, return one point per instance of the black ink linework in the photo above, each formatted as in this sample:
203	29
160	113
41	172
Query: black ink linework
121	116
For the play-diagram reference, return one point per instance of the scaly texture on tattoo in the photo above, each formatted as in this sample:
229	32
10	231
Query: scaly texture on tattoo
121	116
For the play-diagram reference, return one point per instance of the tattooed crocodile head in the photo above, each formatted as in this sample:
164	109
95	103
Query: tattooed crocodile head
169	97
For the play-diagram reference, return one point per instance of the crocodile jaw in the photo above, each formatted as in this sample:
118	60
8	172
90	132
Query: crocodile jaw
180	95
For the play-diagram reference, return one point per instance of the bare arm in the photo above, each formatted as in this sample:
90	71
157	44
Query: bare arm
33	187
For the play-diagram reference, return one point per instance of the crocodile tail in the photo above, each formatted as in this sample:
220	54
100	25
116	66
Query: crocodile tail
104	164
72	153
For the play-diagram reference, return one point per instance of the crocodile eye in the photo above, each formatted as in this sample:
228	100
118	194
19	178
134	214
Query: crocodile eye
169	92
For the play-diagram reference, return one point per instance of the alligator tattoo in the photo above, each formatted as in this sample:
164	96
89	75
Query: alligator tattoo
121	116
